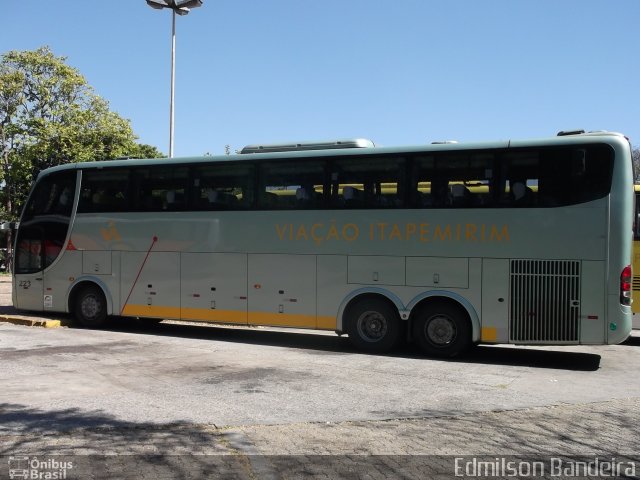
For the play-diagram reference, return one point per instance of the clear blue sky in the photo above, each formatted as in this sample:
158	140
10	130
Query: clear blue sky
397	72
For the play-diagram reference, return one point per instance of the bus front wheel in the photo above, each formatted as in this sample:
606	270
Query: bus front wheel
373	325
91	307
442	329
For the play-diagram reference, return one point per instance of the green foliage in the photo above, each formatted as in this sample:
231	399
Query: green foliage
49	116
146	151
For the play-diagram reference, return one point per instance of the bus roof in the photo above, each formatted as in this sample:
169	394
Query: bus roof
335	150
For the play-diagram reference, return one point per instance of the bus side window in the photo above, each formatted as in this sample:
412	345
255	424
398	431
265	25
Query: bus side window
104	190
522	180
352	197
292	185
161	188
222	187
372	182
306	197
268	200
460	196
521	194
439	193
453	180
174	200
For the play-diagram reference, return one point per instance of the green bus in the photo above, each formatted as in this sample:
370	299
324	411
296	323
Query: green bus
446	245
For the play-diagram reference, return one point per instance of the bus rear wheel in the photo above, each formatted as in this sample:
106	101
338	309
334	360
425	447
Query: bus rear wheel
373	325
442	329
91	307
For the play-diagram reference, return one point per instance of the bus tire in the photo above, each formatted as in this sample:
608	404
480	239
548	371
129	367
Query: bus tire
91	307
373	325
442	329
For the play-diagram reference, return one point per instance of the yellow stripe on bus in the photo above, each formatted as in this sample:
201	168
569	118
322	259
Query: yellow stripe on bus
151	311
282	319
226	316
326	323
232	316
489	334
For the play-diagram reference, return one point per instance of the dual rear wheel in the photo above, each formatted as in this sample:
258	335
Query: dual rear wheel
441	329
374	325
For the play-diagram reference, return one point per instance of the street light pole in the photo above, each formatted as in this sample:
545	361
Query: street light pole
180	7
173	81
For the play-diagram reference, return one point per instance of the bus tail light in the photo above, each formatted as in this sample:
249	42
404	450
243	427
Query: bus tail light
625	286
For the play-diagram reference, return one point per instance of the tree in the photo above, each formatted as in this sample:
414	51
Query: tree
49	116
635	155
145	151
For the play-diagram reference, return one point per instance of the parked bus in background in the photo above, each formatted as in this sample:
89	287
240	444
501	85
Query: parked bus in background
446	245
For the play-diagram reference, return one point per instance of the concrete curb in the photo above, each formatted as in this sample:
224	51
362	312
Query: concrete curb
32	322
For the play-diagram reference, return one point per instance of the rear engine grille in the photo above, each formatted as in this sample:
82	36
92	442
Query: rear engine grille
545	301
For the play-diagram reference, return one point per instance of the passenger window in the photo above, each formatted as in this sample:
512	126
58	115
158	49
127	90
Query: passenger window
457	180
160	188
557	176
292	185
222	187
104	190
368	182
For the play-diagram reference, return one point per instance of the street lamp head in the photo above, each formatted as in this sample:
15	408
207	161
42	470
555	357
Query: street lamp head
189	4
157	4
180	7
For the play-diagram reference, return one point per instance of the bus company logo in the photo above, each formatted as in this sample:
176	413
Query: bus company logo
22	467
422	232
110	233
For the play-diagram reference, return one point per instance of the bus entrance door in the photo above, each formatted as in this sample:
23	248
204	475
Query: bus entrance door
29	292
28	285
